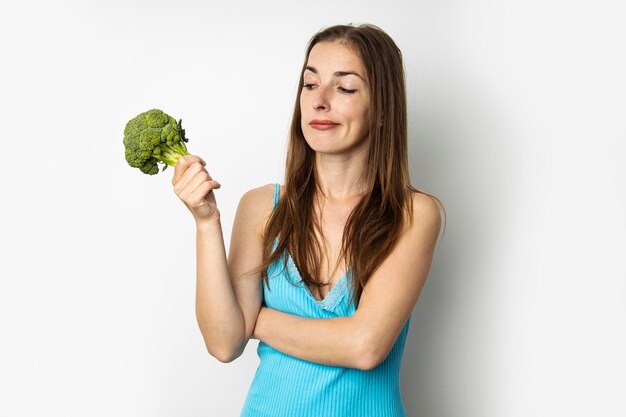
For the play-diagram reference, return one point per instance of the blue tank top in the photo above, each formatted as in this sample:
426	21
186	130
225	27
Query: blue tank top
286	386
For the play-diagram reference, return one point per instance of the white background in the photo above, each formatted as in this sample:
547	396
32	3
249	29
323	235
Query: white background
517	122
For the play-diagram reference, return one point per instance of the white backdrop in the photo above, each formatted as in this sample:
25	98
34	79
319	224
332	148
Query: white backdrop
517	115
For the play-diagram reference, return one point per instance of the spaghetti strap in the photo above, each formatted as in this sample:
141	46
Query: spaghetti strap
276	194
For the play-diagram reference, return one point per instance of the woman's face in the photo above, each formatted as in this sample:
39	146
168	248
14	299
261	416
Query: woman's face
334	90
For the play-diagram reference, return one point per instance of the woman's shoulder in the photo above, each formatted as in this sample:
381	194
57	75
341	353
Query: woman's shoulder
426	210
423	200
258	204
262	195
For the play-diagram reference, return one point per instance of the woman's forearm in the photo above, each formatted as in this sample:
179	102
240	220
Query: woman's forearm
336	341
218	313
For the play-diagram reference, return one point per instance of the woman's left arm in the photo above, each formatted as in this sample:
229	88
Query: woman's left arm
363	340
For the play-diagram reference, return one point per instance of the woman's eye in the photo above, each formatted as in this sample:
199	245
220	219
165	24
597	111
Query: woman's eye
345	90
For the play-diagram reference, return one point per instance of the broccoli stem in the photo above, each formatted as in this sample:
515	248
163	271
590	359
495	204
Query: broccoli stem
170	154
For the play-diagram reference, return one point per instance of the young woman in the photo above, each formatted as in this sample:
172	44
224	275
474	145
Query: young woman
326	269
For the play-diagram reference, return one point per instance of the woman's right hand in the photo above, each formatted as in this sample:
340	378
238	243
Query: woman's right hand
194	186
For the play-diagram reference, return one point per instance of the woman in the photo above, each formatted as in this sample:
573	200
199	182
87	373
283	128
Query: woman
330	336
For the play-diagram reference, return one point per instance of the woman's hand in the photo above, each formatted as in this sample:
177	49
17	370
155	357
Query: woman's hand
194	186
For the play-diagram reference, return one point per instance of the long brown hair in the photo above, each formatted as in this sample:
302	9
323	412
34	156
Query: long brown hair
375	224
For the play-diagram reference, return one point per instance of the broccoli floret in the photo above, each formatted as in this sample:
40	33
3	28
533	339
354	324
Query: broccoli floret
154	137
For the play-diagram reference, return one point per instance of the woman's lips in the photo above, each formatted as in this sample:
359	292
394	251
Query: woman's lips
323	124
320	126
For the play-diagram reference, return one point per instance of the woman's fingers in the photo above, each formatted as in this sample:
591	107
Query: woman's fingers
193	185
187	176
183	163
188	189
198	179
199	197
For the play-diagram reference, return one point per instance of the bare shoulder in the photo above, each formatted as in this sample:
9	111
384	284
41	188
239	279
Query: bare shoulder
257	205
426	215
425	205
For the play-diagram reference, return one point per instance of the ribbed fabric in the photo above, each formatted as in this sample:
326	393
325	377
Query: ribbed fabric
285	386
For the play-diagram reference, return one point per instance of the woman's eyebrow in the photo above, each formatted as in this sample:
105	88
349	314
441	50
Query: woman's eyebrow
337	73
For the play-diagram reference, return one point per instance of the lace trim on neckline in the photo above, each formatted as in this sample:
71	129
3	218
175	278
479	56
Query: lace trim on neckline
336	294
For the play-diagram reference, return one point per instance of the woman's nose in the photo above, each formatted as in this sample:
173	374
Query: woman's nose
320	99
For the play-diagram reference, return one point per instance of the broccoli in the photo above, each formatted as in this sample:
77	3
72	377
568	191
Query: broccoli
153	137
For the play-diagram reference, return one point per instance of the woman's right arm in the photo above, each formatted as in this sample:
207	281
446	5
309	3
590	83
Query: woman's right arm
227	303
